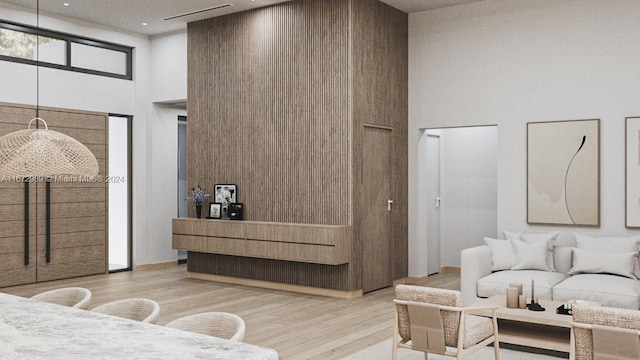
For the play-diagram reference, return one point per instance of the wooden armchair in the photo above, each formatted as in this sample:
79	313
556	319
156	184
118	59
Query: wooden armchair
605	333
433	321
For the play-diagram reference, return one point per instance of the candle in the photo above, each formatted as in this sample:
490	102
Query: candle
522	302
518	286
533	294
512	297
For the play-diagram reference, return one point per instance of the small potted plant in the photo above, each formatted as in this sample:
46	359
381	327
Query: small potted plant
197	197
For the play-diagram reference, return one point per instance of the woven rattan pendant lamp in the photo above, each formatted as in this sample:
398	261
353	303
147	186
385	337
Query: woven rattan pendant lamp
44	153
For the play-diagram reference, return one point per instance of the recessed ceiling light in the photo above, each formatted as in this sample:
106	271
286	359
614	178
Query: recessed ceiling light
65	4
144	24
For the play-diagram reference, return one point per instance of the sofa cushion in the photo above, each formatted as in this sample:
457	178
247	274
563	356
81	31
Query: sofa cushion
597	262
502	255
610	290
498	282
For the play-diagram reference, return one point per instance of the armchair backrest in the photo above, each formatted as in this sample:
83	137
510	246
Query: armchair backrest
596	327
439	297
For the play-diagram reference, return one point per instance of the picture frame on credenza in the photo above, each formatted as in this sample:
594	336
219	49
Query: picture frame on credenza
225	193
215	210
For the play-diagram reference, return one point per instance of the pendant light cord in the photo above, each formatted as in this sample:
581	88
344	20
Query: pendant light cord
37	60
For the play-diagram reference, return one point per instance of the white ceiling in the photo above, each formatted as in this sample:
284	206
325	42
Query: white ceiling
130	14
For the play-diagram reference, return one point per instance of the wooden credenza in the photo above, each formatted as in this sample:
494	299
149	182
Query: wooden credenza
73	242
301	255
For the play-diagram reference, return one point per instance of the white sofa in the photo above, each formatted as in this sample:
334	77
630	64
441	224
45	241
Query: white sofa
576	267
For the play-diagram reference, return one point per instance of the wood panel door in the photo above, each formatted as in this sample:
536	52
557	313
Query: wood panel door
75	242
377	208
17	220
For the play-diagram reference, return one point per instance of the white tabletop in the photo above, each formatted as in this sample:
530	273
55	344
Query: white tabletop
31	329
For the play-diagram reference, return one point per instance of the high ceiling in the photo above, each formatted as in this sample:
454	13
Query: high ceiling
130	15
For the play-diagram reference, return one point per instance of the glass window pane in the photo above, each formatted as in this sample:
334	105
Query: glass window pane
53	51
22	45
119	187
17	44
100	59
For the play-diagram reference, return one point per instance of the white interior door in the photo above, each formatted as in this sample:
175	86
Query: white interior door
433	204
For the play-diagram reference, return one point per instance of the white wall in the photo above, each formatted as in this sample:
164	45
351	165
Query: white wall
152	137
508	62
468	189
168	61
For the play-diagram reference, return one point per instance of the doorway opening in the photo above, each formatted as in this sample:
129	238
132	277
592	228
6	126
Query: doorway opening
457	192
120	227
182	176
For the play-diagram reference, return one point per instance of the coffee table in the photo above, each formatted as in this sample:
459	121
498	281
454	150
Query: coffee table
538	329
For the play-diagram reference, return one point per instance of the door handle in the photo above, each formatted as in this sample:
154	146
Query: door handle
389	203
48	222
26	222
438	202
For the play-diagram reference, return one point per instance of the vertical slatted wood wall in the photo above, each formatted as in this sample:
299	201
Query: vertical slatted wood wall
269	110
278	98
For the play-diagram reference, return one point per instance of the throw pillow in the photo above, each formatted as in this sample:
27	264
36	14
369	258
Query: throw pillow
530	256
597	262
502	255
549	238
510	234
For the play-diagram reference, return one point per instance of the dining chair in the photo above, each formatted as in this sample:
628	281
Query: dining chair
75	297
139	309
433	321
219	324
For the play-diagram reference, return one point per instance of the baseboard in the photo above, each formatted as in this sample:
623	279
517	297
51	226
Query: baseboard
156	266
276	286
412	280
423	280
450	270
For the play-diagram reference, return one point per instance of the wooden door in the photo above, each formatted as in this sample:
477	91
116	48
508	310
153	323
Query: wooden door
377	209
77	230
17	220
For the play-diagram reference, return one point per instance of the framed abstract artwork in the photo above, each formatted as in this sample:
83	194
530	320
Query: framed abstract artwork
563	172
632	172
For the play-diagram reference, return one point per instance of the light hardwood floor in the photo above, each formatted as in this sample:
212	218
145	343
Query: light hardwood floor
297	326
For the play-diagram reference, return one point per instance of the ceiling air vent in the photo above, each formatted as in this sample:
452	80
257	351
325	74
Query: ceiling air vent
217	7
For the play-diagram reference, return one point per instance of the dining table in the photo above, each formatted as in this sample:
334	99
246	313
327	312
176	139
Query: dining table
32	329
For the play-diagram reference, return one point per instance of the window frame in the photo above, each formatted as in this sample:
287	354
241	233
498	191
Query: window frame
68	39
